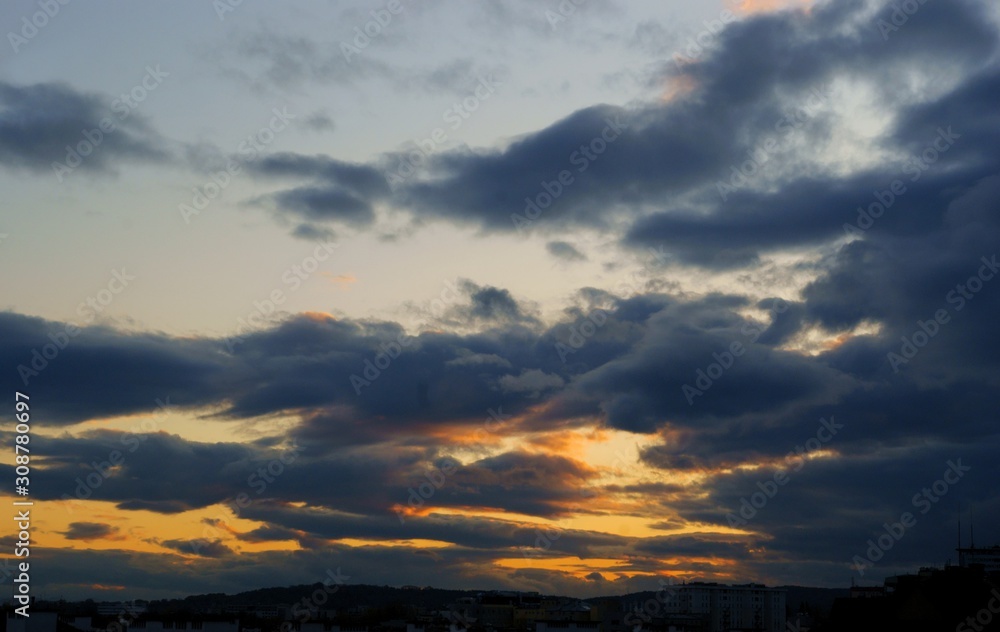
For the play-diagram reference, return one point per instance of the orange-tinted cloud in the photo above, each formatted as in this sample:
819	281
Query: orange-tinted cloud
318	317
566	443
764	6
834	343
678	87
341	281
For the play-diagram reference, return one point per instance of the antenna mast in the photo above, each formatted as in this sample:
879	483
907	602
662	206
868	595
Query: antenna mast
959	524
972	528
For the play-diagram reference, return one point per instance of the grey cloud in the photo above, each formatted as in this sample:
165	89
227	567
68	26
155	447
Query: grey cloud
39	121
565	251
213	549
90	531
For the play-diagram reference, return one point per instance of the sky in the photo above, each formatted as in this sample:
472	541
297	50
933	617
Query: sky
560	296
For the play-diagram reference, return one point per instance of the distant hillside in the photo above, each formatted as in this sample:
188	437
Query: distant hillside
345	597
430	598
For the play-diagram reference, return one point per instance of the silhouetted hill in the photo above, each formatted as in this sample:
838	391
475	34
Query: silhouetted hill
381	597
345	596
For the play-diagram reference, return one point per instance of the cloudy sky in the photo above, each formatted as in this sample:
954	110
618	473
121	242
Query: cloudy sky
536	295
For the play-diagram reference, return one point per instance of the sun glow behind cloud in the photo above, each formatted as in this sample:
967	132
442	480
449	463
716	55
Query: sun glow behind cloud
766	6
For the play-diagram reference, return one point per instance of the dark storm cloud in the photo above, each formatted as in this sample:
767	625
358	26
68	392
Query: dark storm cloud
806	212
90	531
631	370
828	509
156	506
374	450
330	363
489	305
271	534
299	364
344	192
540	485
797	49
901	281
361	180
324	204
167	474
155	471
39	121
75	371
811	209
968	108
695	545
764	68
641	388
